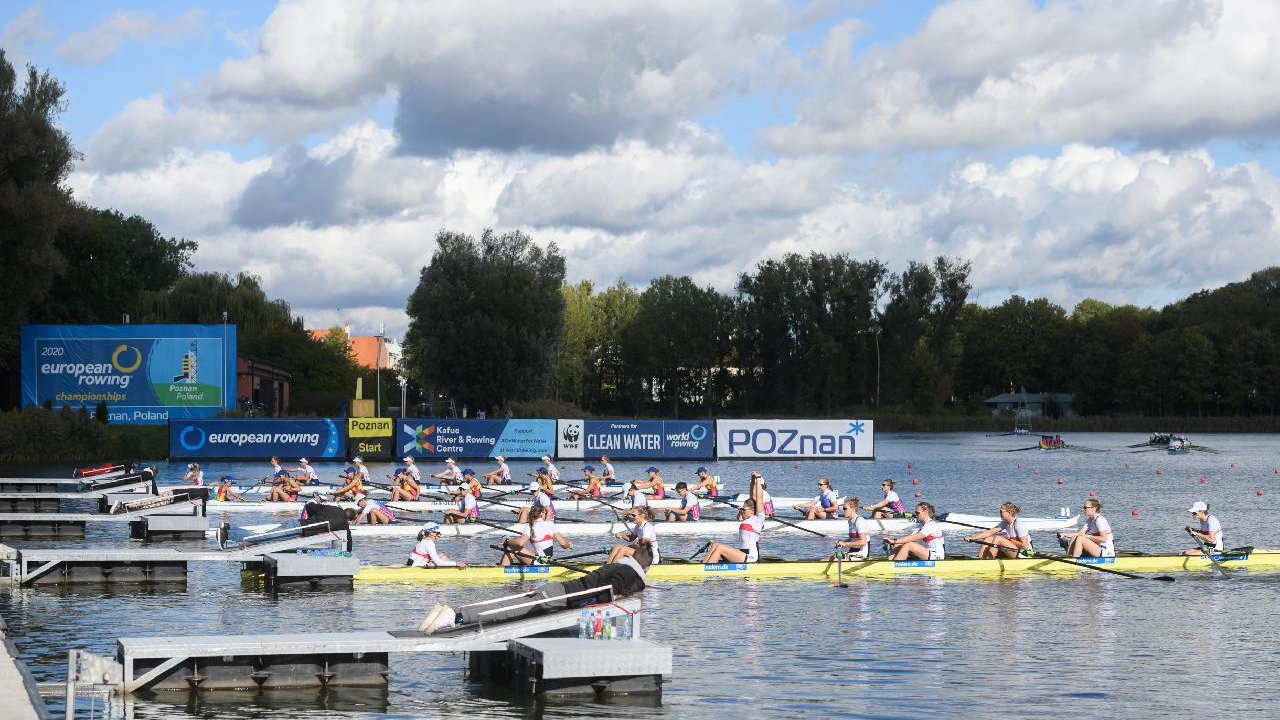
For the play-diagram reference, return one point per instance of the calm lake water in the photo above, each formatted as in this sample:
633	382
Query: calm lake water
1087	646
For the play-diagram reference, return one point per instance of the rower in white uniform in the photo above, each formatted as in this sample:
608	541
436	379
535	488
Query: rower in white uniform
859	531
1208	535
194	475
1007	539
305	474
642	534
926	543
373	512
750	527
1095	539
500	475
552	471
451	472
538	542
425	553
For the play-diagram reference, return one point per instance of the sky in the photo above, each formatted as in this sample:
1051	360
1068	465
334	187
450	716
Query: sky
1110	149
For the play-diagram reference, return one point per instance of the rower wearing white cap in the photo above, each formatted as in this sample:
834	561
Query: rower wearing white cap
425	554
451	473
502	474
358	462
467	510
194	475
552	472
373	512
306	474
541	499
1208	534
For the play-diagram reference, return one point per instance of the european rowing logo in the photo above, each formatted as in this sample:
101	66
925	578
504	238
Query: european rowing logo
422	438
122	351
191	445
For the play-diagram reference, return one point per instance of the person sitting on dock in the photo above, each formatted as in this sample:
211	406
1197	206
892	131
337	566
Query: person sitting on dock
404	484
622	578
751	526
706	482
642	534
450	473
305	474
690	506
353	484
823	505
1008	539
425	554
859	531
286	488
194	475
926	543
593	487
1095	539
468	509
373	512
655	484
538	542
1208	535
890	506
501	475
224	490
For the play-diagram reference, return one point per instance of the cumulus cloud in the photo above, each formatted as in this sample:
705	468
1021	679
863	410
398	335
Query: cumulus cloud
1017	72
99	43
27	28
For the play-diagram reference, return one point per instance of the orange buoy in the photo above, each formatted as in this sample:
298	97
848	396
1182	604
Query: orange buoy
1059	481
1159	471
915	481
1036	471
1202	480
1093	493
1134	512
918	493
1259	491
909	466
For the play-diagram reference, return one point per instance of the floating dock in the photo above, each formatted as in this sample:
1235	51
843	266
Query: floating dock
14	525
17	687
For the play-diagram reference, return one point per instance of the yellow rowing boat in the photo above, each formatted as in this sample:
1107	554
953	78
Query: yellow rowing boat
823	569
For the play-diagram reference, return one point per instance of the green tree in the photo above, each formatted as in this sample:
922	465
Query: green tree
35	157
486	318
578	358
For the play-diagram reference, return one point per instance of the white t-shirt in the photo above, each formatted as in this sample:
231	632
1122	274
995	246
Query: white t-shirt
452	473
468	502
858	526
749	531
504	472
1015	530
933	539
639	499
311	473
1211	524
607	472
1099	526
370	505
553	472
363	471
196	477
894	500
542	534
425	551
647	532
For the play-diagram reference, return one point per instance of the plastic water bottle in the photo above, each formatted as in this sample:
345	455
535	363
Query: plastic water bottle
597	630
624	626
608	625
584	625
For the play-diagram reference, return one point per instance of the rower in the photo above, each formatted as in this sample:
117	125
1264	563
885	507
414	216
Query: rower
543	478
1095	539
1208	535
552	472
890	506
224	490
622	578
706	481
539	497
286	488
425	554
358	462
405	483
751	525
194	475
822	505
690	507
373	512
1010	535
275	466
500	475
642	535
594	485
606	470
654	483
411	467
859	530
471	484
467	511
450	474
305	474
353	484
541	538
637	496
926	543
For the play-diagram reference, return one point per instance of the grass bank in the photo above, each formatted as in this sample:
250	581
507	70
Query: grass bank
37	435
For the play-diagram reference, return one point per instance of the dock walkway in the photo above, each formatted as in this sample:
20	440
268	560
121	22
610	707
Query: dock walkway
21	700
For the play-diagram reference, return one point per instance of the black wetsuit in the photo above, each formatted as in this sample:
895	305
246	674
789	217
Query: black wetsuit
620	578
332	514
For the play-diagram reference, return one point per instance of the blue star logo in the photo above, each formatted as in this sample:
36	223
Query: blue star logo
855	428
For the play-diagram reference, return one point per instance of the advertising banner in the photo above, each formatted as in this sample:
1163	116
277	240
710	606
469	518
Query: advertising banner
626	439
146	374
371	448
370	427
849	439
256	438
442	438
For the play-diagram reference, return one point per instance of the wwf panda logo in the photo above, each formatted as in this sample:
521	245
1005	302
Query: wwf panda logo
571	434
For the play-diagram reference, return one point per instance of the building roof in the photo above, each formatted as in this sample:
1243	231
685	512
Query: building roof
1033	398
364	349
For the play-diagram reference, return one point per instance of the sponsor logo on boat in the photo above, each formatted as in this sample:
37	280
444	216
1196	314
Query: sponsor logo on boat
915	563
1096	560
526	569
725	567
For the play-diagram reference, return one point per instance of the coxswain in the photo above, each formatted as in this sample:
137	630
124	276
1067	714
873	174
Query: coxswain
750	527
285	488
405	485
451	473
1208	535
593	487
890	506
625	577
224	490
353	484
690	506
926	543
552	471
706	482
1095	539
642	534
606	470
467	511
501	475
194	475
654	483
539	542
373	512
824	505
425	553
305	474
859	531
1007	539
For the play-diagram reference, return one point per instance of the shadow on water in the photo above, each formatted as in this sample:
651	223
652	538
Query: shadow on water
538	707
268	703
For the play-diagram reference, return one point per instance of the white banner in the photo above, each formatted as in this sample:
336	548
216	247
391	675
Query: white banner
850	439
569	439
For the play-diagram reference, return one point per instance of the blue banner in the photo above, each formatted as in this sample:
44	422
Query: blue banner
146	374
625	439
437	438
256	438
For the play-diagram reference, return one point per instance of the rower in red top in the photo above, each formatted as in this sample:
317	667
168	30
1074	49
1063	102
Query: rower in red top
750	528
654	483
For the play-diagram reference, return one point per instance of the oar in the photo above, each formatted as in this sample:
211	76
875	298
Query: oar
585	553
1059	558
423	516
1208	552
578	568
699	551
1033	447
777	519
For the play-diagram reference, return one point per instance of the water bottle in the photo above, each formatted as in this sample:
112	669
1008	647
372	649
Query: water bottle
597	630
584	625
608	625
624	626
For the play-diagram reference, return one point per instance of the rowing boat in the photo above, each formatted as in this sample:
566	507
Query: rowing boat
958	568
610	492
266	506
834	528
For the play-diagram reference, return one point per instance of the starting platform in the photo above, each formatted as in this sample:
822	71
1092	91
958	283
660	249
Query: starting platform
22	525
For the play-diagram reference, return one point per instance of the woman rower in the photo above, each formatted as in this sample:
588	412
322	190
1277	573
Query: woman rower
642	534
285	488
690	506
594	485
751	525
706	481
890	506
373	512
468	509
821	506
502	474
859	530
353	484
1209	535
539	498
194	475
425	554
1095	539
550	469
305	474
637	496
1007	539
450	474
542	537
654	483
405	485
606	470
224	490
926	543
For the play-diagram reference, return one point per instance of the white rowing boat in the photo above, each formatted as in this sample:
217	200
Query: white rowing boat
511	503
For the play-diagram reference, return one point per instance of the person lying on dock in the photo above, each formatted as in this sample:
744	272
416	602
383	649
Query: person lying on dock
859	531
373	512
425	554
925	543
642	535
316	500
690	507
286	488
1209	533
823	505
224	490
500	475
538	542
1008	539
619	579
353	484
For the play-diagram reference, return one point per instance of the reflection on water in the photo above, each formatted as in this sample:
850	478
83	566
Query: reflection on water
1090	645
